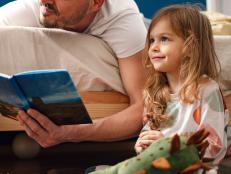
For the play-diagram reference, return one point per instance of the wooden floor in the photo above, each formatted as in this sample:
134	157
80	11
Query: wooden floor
63	159
70	158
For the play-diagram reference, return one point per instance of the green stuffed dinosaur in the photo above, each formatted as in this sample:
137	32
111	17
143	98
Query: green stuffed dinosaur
166	156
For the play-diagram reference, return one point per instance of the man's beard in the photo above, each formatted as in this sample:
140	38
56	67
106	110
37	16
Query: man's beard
67	21
48	24
66	24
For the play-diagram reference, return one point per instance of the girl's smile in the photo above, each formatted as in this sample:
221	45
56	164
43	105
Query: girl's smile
157	57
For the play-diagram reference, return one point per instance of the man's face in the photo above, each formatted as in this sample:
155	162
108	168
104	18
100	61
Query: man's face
66	14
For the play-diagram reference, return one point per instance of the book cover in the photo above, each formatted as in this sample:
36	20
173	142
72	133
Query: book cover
51	92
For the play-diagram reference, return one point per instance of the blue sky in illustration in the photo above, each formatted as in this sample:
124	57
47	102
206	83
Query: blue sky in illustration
53	86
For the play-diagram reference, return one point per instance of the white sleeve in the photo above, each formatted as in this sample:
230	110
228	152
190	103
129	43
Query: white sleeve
127	35
20	13
214	118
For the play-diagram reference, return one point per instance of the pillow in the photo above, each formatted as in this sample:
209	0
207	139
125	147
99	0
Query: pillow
223	50
221	24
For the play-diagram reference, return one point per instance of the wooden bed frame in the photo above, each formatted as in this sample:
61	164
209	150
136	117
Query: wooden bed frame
98	104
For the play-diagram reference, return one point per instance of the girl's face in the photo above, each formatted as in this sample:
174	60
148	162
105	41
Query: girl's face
165	51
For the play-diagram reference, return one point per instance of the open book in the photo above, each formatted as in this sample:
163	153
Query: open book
51	92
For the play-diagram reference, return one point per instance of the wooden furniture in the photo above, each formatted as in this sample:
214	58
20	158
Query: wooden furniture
98	104
228	103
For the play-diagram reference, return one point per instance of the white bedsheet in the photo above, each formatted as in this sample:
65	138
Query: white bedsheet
91	63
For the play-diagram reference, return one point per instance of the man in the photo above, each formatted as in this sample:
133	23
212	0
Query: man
120	25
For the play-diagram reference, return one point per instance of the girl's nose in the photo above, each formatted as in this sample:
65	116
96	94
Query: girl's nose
155	47
46	1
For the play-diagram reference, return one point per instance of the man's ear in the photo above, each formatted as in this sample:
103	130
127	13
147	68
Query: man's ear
96	5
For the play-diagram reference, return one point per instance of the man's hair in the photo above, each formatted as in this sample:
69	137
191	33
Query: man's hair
199	58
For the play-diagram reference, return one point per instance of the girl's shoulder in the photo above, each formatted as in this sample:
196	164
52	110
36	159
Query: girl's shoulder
208	86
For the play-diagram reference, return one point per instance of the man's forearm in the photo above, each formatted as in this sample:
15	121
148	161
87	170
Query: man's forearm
122	125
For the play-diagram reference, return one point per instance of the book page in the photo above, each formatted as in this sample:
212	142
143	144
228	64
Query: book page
11	99
53	93
89	60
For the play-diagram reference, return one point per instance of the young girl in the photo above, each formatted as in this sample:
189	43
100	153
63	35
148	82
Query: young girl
181	94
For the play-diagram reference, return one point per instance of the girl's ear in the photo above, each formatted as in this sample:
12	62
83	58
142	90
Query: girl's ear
96	5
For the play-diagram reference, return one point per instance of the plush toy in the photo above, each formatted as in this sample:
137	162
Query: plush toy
178	154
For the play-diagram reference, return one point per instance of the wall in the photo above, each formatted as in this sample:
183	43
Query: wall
149	7
2	2
222	6
226	7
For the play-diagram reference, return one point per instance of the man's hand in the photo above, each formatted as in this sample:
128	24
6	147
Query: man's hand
119	126
40	128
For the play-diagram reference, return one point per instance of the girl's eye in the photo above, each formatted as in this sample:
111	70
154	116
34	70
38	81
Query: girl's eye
164	39
151	41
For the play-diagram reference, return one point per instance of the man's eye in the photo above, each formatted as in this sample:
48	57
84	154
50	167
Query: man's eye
164	39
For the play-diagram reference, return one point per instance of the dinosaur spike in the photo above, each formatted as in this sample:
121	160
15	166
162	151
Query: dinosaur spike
193	139
202	153
141	172
203	137
202	148
202	145
161	163
175	144
192	168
